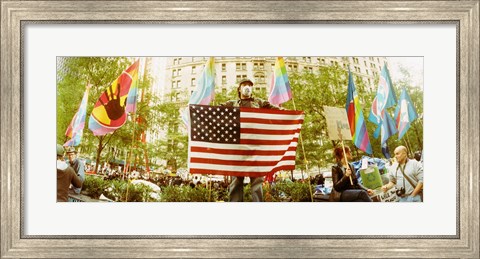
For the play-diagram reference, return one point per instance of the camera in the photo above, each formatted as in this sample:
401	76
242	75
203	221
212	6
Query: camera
400	192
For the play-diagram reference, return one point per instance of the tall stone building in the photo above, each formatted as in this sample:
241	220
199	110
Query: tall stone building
182	73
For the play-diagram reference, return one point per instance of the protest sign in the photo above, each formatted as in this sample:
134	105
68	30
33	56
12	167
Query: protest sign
389	196
337	123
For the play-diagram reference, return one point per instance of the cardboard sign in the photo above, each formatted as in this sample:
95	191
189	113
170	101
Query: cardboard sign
389	196
337	123
371	178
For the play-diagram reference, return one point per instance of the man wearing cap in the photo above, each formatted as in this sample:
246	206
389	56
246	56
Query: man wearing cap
77	165
65	176
246	99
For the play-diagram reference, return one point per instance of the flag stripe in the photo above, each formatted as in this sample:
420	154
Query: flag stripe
268	152
271	121
266	142
268	131
242	157
240	147
270	127
240	162
268	137
279	113
247	168
238	173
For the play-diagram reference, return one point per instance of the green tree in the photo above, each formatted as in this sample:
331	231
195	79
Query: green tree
74	73
312	91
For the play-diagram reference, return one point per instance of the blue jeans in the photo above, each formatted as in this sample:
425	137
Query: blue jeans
236	188
355	195
409	198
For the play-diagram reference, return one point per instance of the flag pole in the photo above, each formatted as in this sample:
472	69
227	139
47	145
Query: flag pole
410	143
134	127
304	155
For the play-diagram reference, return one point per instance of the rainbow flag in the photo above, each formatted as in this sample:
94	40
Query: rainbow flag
280	90
355	118
75	129
109	112
205	90
405	113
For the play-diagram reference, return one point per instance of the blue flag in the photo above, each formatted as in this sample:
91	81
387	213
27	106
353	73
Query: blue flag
405	113
384	99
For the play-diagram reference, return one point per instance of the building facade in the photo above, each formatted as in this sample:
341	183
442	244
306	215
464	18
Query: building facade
182	73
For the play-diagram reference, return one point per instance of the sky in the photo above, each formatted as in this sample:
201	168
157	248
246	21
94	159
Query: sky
414	65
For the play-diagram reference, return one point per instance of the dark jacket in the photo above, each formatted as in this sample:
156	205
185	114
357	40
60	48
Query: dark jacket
342	182
65	177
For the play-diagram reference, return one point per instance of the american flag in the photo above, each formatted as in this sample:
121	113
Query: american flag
242	141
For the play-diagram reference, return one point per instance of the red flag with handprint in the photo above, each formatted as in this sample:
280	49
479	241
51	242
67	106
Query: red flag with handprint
109	113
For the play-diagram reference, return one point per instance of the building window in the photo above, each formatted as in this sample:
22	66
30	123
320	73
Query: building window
176	84
194	70
240	77
224	67
176	61
241	66
193	82
262	66
176	72
355	60
259	78
273	67
224	80
295	68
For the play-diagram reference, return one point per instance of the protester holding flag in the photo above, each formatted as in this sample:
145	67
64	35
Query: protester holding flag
246	99
407	175
344	190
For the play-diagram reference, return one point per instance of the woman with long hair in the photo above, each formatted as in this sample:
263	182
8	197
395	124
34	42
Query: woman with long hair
349	191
